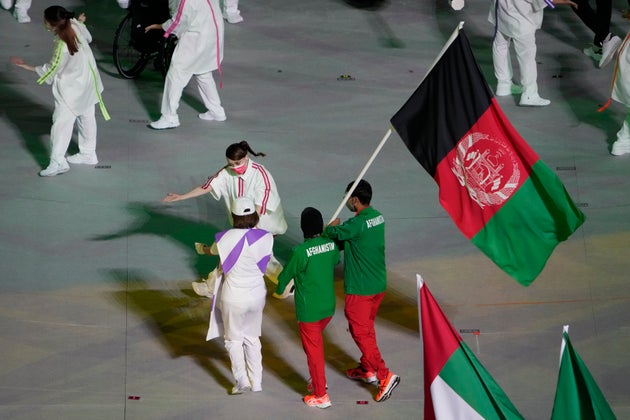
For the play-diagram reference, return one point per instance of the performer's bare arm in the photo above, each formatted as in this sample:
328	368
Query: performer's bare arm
170	197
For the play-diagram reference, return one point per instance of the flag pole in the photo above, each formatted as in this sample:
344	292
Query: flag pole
360	176
389	131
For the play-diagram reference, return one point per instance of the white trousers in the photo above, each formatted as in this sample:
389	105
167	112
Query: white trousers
525	49
242	322
19	4
61	132
176	81
230	7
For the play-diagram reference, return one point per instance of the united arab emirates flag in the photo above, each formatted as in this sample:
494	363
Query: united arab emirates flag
493	185
456	385
577	394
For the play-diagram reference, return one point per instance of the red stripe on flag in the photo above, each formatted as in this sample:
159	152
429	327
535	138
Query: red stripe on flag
484	169
440	340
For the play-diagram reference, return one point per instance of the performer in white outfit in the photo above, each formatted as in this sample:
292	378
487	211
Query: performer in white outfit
621	93
244	253
518	21
20	10
199	29
242	177
76	85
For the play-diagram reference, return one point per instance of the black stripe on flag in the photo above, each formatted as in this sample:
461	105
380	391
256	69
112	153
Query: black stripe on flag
446	104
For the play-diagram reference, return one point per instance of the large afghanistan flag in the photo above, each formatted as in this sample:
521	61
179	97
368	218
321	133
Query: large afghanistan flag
493	185
456	385
577	395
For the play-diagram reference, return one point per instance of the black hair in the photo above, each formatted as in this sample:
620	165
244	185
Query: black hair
59	18
237	151
245	222
363	192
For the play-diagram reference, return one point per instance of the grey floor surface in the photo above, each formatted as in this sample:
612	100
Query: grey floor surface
96	305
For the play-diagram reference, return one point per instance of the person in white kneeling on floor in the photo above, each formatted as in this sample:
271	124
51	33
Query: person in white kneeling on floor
199	51
20	9
76	86
518	21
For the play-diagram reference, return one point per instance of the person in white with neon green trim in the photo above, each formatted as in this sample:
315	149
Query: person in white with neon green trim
76	86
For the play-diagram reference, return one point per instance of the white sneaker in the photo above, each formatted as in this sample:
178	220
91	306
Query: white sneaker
234	17
533	100
212	116
237	390
81	158
201	288
54	169
620	147
6	4
164	123
609	48
508	89
21	15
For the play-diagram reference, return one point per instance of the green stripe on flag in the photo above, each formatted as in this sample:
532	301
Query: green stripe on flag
470	380
537	217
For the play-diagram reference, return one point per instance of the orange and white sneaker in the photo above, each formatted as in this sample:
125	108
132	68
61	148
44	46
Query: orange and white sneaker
318	402
360	374
386	386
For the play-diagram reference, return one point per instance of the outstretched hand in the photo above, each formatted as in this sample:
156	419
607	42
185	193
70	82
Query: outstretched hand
151	27
565	2
18	61
171	197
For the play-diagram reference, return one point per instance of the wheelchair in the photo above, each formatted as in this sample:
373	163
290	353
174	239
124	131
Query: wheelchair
133	48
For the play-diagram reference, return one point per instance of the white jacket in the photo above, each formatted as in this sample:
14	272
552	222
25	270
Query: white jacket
75	78
517	17
198	25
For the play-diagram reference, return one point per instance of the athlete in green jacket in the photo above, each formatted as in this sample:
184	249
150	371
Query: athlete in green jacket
365	278
311	266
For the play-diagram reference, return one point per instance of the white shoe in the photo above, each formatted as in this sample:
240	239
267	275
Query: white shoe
609	48
620	147
201	288
237	390
6	4
164	123
533	100
257	388
21	15
234	17
81	158
54	169
508	89
212	116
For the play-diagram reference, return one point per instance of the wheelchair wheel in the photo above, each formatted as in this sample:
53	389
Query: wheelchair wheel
166	53
129	61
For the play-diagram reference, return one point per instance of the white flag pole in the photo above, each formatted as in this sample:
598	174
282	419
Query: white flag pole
360	176
565	329
389	131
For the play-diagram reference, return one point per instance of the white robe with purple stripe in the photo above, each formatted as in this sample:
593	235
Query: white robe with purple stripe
244	255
